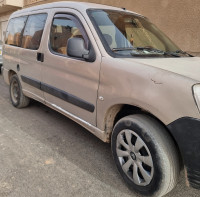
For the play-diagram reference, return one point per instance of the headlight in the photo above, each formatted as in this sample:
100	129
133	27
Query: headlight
196	91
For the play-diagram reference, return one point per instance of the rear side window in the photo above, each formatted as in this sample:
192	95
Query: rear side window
14	31
33	31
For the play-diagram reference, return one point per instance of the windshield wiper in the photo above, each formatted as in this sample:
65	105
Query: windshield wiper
160	52
148	49
184	53
123	49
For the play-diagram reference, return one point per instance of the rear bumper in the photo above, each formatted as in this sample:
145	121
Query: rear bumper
186	132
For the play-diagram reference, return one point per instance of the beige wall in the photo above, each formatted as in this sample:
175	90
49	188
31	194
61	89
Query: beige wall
3	24
179	19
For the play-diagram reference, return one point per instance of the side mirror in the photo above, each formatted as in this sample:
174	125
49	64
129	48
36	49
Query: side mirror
76	48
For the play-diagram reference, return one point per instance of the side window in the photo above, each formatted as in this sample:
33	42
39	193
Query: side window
14	31
62	29
33	31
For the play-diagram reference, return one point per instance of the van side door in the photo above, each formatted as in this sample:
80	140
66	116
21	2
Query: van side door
30	55
70	84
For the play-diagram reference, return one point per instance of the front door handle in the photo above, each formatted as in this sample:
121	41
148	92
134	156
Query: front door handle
40	57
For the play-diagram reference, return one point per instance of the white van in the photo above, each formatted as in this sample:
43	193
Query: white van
116	74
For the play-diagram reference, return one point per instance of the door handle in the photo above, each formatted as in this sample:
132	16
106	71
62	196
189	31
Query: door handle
40	57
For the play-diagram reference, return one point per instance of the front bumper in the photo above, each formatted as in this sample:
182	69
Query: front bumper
186	132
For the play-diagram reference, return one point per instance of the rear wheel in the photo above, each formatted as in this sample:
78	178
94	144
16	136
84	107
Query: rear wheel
145	155
17	97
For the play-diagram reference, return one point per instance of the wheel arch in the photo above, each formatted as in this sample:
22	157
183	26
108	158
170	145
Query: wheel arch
119	111
10	74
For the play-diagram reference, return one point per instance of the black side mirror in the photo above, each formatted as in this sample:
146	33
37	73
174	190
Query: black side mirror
76	48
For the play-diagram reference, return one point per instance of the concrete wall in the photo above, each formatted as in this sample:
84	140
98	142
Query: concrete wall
17	3
179	19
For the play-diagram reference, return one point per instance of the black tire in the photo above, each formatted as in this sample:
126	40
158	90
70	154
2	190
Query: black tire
18	99
164	173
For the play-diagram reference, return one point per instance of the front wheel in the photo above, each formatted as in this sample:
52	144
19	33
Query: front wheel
145	155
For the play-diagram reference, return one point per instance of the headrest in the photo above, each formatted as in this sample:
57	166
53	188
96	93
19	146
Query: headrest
108	38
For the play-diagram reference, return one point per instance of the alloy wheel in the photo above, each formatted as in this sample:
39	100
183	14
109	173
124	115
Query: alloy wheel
134	157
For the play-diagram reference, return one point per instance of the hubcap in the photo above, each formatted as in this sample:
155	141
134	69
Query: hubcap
15	91
134	157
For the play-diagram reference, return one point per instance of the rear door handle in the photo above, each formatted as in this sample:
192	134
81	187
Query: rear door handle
40	57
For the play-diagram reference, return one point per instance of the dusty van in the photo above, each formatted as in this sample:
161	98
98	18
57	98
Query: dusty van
116	74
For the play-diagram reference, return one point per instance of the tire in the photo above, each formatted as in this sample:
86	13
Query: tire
18	99
145	155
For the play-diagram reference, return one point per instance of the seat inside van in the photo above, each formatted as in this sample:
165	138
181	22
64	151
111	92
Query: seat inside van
60	36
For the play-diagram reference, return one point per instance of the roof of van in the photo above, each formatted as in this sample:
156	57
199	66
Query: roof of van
81	6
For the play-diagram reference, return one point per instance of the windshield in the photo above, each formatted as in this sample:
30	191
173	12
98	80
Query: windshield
126	34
